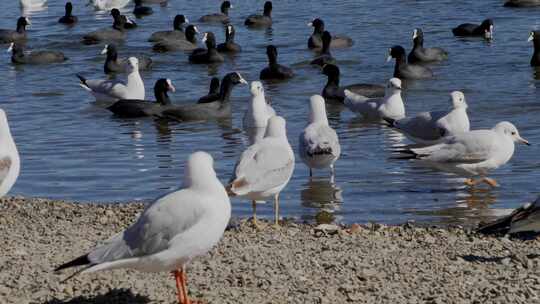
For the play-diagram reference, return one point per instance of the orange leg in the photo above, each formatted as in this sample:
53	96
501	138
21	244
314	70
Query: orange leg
178	276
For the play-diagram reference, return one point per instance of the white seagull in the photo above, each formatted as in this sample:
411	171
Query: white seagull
472	153
319	144
9	157
105	5
171	231
389	106
258	113
113	90
30	4
264	168
429	127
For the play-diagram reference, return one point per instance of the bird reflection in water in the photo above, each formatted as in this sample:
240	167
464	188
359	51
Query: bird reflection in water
322	196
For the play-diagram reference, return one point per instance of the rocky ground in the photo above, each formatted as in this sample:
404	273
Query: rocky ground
295	264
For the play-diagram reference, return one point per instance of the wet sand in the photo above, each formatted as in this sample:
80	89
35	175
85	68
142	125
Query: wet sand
298	263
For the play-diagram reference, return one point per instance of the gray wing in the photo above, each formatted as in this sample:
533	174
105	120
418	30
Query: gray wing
422	126
115	88
320	140
263	166
470	147
166	218
5	166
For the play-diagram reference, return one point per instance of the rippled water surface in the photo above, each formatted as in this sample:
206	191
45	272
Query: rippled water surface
73	149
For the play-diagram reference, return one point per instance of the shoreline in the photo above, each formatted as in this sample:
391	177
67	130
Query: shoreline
298	263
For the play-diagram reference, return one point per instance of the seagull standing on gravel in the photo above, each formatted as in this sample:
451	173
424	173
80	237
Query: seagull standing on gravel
113	90
264	168
471	154
258	113
389	106
9	157
170	231
428	128
319	144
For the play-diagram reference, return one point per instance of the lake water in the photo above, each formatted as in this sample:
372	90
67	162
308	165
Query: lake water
73	149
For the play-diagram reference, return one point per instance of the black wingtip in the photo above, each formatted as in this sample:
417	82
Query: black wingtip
390	122
82	79
82	260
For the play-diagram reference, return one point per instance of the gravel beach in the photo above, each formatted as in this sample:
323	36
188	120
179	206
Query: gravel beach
297	263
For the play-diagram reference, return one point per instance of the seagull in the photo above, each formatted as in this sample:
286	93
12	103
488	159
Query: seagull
429	128
113	90
523	219
264	168
472	153
319	144
389	106
10	163
258	112
29	4
105	5
170	231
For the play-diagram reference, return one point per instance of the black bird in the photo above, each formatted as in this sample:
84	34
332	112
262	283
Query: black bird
113	64
522	3
213	93
474	30
315	40
274	70
421	54
332	92
189	43
176	34
133	108
264	20
325	57
141	10
229	46
218	109
523	219
116	33
18	35
68	18
222	16
404	70
535	38
208	55
127	23
18	56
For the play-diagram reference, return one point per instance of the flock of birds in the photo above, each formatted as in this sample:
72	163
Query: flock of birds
187	223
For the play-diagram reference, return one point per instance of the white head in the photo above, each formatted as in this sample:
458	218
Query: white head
458	100
133	64
317	111
256	88
105	49
508	129
199	170
276	127
393	86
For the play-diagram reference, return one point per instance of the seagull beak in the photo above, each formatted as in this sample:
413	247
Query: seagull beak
523	141
104	51
10	48
531	37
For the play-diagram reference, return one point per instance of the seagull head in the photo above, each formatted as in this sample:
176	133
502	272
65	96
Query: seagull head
458	100
508	129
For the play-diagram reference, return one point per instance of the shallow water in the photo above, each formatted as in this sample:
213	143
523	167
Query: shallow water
73	149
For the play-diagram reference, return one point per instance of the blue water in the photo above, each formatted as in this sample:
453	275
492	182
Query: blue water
73	149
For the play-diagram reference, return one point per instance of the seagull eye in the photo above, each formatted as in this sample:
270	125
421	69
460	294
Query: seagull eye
513	133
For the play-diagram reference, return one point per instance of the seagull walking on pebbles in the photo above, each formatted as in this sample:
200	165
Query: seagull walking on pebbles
113	90
264	168
429	128
390	106
319	144
9	157
171	231
258	113
471	154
